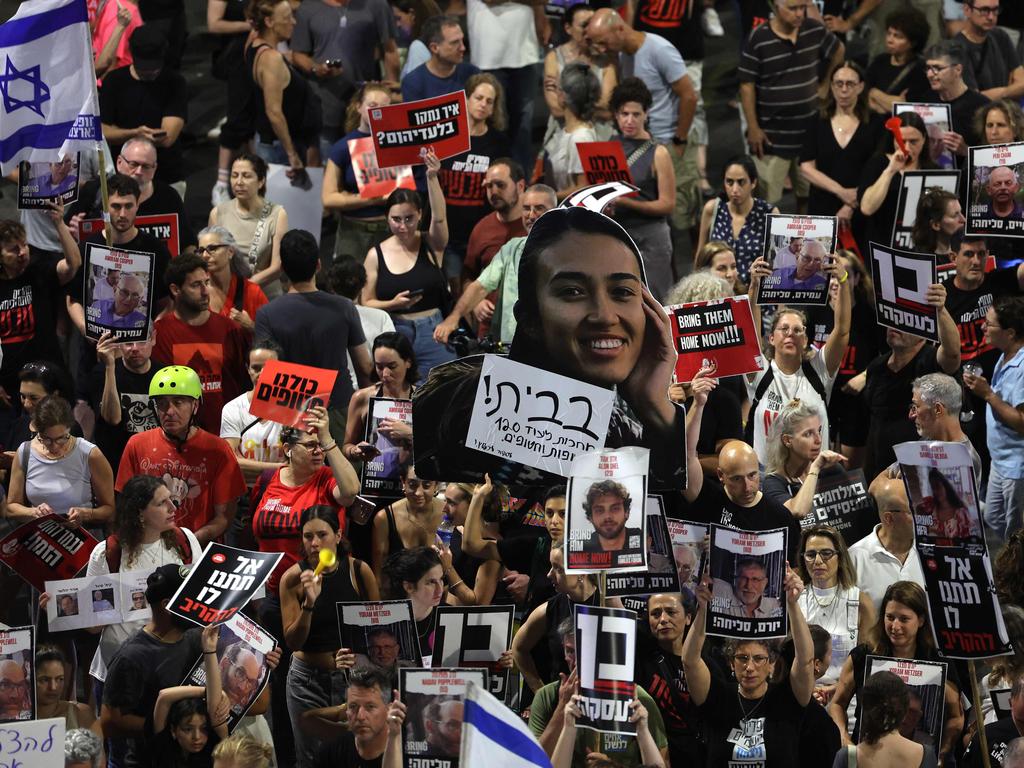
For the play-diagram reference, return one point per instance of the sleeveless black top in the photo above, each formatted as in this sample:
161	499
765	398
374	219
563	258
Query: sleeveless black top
424	275
323	624
300	105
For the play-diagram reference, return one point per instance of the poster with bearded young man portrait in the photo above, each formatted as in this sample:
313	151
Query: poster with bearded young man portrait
996	204
607	523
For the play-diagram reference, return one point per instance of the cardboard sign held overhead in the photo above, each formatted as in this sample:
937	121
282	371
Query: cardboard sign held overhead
286	391
372	180
720	333
402	133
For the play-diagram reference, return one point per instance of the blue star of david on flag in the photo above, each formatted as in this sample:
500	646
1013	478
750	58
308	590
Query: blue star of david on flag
32	76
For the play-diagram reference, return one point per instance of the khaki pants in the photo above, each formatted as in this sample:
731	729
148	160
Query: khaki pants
772	171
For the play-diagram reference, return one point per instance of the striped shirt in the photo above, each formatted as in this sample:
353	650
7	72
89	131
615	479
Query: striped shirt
786	76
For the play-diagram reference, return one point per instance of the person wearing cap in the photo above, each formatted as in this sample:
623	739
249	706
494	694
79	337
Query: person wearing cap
199	468
146	99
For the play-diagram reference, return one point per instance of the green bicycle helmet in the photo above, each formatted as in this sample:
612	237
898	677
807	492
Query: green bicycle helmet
176	380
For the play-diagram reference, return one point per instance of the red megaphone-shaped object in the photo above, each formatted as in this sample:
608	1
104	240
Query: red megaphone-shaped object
894	125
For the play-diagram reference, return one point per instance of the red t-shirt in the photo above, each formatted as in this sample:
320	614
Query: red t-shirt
489	234
276	522
203	474
215	350
253	297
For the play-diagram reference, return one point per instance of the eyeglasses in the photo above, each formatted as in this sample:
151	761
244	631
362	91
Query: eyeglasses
785	330
989	10
239	674
841	84
7	685
743	659
52	441
129	294
210	248
936	68
312	447
136	165
810	555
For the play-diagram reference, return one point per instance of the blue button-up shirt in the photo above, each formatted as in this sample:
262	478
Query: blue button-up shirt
1004	443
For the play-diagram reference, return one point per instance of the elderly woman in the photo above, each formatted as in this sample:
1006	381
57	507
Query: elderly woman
231	294
579	93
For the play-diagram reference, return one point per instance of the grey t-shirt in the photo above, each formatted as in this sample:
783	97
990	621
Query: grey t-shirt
349	32
659	64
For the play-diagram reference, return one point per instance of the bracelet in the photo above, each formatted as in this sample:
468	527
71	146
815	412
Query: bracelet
308	608
844	278
453	586
207	653
225	722
330	447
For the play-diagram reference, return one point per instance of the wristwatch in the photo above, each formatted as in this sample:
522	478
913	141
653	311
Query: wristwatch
680	142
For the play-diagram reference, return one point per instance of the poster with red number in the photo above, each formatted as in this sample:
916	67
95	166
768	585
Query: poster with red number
163	226
285	391
402	133
718	334
604	161
372	180
46	549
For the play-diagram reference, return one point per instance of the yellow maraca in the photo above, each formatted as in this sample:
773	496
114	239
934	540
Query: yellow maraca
327	560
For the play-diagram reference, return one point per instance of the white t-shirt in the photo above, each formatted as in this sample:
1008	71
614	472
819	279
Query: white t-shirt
563	155
261	441
783	388
151	556
502	36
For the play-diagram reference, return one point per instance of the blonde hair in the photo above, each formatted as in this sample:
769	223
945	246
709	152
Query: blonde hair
706	255
703	285
786	423
243	751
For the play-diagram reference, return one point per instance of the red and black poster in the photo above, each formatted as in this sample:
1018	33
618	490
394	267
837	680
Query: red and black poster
163	226
718	334
901	285
46	549
285	391
604	161
372	180
474	637
221	583
605	659
402	133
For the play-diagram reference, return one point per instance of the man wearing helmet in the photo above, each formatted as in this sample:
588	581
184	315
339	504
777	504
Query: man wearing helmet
199	468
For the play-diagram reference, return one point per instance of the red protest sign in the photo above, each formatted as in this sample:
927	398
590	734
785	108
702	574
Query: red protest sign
372	180
719	333
402	131
604	161
46	549
163	226
285	391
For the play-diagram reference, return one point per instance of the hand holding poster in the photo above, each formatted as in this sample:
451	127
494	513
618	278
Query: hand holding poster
162	226
798	249
996	206
605	493
284	391
604	161
46	548
389	433
661	574
926	681
720	333
901	280
221	583
432	731
40	184
841	502
129	313
605	662
372	180
381	633
474	637
938	121
748	570
17	674
912	186
402	133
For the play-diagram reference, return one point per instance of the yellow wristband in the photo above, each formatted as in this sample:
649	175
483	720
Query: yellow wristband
844	278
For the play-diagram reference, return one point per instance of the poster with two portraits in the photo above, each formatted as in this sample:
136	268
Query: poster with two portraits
797	248
118	292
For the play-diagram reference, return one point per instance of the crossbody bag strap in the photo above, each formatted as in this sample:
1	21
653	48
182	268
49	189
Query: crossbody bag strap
257	235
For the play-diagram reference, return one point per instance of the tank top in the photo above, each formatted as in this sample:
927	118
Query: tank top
395	543
336	587
642	171
839	616
424	276
62	483
243	227
296	103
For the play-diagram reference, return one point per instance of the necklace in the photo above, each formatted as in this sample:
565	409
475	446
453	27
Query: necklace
746	715
813	591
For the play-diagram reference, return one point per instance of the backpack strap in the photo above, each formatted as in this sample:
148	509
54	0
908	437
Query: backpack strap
814	380
762	387
113	554
183	544
239	297
851	756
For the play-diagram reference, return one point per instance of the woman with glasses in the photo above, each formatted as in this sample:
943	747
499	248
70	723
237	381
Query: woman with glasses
232	294
750	719
412	521
58	473
831	598
256	224
901	631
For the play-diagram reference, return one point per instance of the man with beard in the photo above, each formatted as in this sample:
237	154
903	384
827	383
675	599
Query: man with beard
14	699
240	670
504	184
208	343
359	741
1002	187
935	410
745	596
607	508
442	720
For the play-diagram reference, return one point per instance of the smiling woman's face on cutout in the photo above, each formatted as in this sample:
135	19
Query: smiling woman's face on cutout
591	307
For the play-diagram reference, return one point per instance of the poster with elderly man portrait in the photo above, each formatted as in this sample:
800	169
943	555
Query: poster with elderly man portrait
798	249
40	184
17	674
432	731
607	524
118	292
748	569
996	204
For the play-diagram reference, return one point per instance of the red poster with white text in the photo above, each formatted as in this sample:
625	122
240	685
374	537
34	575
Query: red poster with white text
372	180
285	391
718	334
402	133
162	226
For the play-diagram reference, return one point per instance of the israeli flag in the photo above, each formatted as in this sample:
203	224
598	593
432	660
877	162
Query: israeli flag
493	735
47	83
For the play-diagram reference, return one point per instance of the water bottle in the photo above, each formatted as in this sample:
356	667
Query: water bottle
444	531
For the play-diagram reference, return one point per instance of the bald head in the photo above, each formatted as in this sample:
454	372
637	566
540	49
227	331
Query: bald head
739	472
890	496
605	32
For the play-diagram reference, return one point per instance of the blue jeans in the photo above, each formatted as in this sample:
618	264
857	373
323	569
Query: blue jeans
1003	504
421	333
311	688
521	85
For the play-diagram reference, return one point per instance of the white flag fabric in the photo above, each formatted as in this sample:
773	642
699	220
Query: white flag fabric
48	105
492	734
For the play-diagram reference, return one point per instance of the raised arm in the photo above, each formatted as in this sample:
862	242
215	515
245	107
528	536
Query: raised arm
167	697
67	267
437	235
701	386
698	676
214	686
473	541
839	339
948	355
529	634
801	674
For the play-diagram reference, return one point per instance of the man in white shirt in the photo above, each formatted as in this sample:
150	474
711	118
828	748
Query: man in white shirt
887	554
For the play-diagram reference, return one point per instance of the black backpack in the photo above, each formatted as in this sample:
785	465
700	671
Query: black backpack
762	386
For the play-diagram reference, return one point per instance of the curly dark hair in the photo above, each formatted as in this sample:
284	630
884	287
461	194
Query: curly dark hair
607	488
1008	567
631	89
914	26
131	502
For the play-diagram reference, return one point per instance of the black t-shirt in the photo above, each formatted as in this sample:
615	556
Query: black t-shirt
882	74
819	737
679	23
771	736
130	103
342	753
999	735
143	242
963	108
529	554
968	310
136	413
712	505
28	315
462	181
887	394
661	675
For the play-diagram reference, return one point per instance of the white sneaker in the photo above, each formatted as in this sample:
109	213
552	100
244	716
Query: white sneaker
711	23
220	193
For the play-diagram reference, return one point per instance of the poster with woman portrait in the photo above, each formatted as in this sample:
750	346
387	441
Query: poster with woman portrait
606	520
996	203
943	494
389	432
432	731
926	684
17	674
798	249
128	312
748	569
381	633
40	184
242	649
938	119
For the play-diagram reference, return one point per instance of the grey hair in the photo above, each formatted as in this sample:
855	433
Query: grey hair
1014	755
937	388
951	50
223	233
702	285
82	746
581	88
566	628
544	189
785	423
139	140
